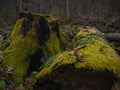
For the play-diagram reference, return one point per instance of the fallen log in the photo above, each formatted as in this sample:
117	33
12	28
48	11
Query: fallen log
112	36
87	66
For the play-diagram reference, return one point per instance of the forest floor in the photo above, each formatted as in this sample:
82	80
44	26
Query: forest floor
105	25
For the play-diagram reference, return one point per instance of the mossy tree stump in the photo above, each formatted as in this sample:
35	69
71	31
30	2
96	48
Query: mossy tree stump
35	37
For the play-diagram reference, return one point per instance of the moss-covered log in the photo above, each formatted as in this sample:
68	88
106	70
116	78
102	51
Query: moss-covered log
91	64
39	50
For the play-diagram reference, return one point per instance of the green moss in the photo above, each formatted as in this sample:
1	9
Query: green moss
61	59
53	44
4	45
21	48
17	28
63	41
17	53
29	87
99	57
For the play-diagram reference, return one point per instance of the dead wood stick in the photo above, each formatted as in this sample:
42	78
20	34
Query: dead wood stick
112	36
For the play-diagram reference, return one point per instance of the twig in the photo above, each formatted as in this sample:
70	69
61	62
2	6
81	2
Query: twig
2	30
3	22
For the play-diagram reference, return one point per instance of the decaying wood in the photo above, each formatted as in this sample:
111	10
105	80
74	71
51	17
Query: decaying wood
112	36
76	56
3	22
6	30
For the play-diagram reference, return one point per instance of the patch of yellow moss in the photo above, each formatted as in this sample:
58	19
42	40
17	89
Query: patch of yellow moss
63	40
61	59
17	53
52	46
17	28
4	45
99	57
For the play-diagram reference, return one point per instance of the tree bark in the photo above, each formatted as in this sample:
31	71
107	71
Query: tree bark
21	5
67	7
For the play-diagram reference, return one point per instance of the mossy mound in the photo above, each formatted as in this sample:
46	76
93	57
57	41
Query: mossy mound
91	54
32	33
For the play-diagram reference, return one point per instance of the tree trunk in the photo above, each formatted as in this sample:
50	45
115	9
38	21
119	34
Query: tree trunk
21	5
38	39
67	7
